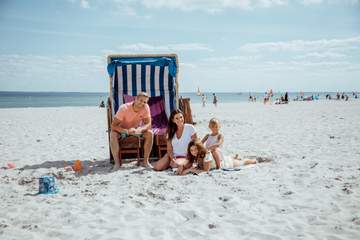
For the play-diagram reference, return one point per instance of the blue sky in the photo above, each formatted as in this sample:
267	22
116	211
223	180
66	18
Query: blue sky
223	45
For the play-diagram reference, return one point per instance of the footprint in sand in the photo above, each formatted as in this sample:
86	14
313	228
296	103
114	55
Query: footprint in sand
188	214
258	235
156	233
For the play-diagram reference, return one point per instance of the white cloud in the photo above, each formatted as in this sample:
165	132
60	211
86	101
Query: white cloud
188	65
230	59
223	73
304	45
129	7
258	64
309	2
259	75
210	6
320	56
52	73
84	4
142	47
346	2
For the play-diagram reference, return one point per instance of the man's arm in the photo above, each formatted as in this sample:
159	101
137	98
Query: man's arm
115	126
147	125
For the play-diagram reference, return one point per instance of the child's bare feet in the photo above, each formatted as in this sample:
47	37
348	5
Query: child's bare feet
263	159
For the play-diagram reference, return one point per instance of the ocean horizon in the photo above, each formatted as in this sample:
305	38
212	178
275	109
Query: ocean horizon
21	99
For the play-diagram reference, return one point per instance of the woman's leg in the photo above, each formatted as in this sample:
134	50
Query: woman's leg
163	163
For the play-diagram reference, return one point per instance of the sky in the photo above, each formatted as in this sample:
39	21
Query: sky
222	45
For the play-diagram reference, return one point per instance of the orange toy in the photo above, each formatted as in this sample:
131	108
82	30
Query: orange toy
77	166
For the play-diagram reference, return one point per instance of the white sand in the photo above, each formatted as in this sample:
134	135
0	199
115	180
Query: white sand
310	191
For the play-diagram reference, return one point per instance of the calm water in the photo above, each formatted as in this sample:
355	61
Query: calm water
60	99
50	99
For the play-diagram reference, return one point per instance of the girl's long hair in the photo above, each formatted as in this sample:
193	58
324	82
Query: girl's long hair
172	127
201	151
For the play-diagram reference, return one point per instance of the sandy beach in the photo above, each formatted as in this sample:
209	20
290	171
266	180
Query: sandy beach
310	190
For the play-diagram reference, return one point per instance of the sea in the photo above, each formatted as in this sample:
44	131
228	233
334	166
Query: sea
63	99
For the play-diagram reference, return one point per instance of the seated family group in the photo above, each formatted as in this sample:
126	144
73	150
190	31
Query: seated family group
185	151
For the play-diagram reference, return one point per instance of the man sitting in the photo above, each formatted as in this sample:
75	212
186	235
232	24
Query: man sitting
132	118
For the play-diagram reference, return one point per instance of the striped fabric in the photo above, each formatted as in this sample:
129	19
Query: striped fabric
154	77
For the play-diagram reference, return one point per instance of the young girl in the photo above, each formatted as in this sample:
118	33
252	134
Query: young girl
199	160
213	141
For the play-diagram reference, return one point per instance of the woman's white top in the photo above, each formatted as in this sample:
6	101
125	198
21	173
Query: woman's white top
180	144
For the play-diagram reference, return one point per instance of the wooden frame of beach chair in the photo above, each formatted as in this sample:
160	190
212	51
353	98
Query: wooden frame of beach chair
161	143
133	70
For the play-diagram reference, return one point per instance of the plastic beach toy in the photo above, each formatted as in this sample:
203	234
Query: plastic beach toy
77	166
47	185
11	165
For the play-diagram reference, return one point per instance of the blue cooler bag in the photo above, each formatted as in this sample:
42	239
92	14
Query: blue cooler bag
47	185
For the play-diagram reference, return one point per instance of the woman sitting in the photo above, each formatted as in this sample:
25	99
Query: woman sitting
179	134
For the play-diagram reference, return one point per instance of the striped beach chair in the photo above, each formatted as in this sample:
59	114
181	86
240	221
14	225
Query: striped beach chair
157	75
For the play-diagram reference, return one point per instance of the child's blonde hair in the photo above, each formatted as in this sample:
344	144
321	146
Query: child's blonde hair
214	122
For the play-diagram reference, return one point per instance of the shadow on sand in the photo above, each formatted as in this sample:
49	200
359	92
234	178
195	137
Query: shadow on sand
87	166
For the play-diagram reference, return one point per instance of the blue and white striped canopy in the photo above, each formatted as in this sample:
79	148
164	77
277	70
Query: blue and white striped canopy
154	75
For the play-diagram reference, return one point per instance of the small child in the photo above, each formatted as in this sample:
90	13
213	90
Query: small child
213	141
197	156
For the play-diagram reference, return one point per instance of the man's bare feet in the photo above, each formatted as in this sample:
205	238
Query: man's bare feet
146	164
116	167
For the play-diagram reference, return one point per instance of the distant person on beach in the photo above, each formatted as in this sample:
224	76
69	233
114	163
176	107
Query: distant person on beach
132	118
266	98
252	98
179	134
199	160
203	99
215	100
102	104
213	141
